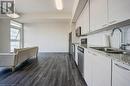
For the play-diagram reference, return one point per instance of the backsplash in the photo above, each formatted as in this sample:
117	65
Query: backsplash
97	39
100	39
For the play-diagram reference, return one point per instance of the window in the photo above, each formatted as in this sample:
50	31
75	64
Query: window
15	35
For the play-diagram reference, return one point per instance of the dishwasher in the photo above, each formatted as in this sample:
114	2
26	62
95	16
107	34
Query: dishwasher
81	60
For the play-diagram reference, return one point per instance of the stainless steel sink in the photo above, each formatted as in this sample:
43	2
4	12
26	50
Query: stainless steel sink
116	51
111	50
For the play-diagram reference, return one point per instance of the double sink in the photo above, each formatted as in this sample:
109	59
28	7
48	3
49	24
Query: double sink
111	50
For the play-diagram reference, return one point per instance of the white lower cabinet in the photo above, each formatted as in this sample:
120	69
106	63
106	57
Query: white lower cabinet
97	69
120	74
88	67
101	70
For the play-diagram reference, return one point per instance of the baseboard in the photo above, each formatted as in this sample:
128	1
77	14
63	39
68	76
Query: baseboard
53	52
40	54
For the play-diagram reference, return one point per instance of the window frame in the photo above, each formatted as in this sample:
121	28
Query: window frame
21	44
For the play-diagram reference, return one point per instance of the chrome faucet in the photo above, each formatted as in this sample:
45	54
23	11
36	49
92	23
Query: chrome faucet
123	45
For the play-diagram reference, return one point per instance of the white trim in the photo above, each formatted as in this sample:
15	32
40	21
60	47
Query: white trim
3	54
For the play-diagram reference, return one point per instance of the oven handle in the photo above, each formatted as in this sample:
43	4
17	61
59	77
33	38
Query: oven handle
81	50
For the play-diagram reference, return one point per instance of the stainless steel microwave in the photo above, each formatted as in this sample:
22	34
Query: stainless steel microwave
84	42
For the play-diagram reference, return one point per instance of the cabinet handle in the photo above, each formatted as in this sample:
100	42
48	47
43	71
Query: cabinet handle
89	52
122	67
112	22
92	53
104	25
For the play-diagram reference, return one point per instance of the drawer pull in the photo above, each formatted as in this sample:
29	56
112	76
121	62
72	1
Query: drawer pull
122	67
89	52
104	25
92	53
112	22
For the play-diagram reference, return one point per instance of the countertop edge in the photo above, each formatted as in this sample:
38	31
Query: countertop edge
125	59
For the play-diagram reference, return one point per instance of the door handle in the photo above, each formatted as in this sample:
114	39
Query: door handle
89	52
104	25
92	53
112	22
122	67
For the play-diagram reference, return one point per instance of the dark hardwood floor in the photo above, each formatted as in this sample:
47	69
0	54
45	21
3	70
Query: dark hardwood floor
48	70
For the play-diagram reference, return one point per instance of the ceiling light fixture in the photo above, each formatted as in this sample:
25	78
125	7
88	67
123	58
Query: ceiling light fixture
59	4
14	15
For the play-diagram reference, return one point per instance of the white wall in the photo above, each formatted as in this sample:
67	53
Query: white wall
49	36
97	39
4	35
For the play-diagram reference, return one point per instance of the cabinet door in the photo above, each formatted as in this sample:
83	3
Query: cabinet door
120	74
101	70
88	67
83	20
119	10
85	15
98	14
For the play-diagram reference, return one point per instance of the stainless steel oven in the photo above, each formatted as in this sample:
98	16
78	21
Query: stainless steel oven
84	42
81	59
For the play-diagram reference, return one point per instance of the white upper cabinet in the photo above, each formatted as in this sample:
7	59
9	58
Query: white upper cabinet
83	20
101	13
98	14
85	28
119	10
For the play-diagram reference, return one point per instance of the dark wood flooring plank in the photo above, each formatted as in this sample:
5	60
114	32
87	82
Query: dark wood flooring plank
49	70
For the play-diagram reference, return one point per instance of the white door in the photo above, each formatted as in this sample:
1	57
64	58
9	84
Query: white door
119	10
98	14
101	70
120	74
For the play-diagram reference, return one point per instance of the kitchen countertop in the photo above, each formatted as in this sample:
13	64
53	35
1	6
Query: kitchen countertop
124	58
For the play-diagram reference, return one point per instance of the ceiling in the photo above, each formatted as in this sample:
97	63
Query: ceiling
42	10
